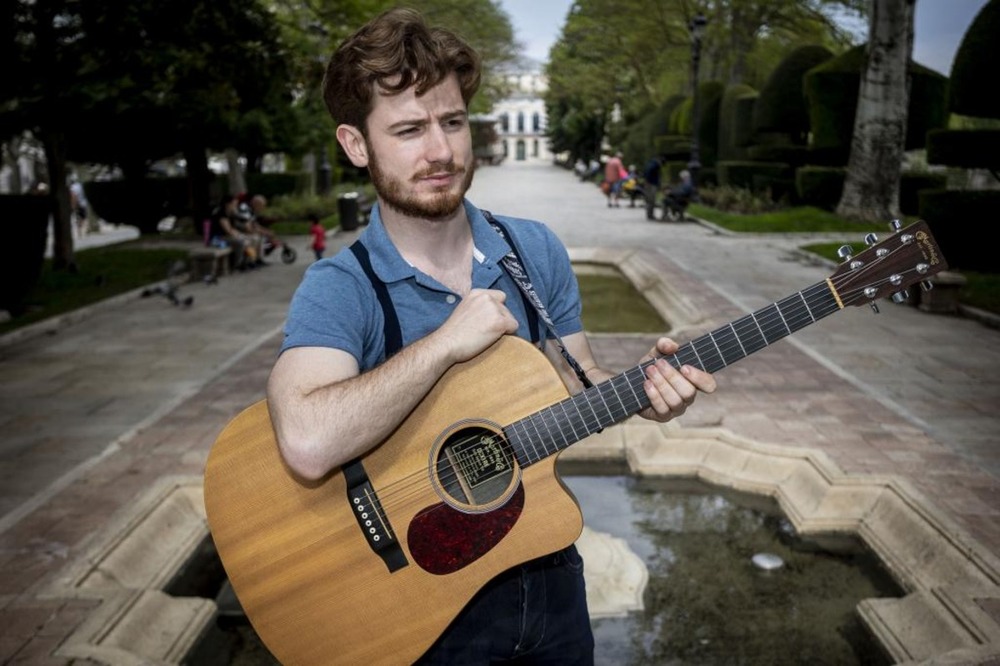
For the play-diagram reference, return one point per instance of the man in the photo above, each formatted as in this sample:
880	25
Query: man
651	185
225	228
677	200
399	92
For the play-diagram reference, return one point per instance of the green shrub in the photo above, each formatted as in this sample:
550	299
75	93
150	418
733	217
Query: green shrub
820	186
782	106
709	99
910	185
832	92
756	176
970	149
680	118
732	146
736	200
778	152
963	222
971	92
673	146
272	185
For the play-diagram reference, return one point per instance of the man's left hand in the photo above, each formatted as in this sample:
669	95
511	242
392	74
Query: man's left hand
670	390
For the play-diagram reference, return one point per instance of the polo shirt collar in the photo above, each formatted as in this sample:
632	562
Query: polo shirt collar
390	266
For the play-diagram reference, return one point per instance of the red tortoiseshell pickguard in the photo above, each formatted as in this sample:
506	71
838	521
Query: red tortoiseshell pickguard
443	540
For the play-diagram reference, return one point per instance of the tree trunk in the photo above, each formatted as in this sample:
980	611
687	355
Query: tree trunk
62	225
871	189
199	182
237	183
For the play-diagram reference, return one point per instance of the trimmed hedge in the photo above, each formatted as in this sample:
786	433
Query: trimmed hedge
823	186
734	131
277	184
756	176
782	105
766	152
709	101
970	149
964	224
820	186
971	92
832	91
674	146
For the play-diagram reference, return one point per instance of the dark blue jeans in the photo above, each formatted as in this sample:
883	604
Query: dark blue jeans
536	613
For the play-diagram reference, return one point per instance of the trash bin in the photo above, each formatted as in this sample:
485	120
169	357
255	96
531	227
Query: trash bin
347	209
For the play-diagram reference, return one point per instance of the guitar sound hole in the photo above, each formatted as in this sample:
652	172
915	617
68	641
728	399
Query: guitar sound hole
475	468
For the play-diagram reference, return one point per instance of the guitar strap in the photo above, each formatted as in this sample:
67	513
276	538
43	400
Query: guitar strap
512	263
515	269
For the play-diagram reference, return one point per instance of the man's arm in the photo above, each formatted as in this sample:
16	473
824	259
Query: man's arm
670	390
325	413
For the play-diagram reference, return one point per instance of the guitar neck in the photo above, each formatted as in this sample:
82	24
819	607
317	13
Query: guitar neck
556	427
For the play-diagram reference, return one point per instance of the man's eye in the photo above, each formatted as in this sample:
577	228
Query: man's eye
407	131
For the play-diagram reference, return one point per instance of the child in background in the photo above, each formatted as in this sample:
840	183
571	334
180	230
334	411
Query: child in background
318	235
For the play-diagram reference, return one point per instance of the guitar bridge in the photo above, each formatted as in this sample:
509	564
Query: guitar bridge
374	524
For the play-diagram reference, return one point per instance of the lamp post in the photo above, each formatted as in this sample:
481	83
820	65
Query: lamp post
697	28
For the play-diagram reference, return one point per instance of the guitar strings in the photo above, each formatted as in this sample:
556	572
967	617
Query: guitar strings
774	322
770	320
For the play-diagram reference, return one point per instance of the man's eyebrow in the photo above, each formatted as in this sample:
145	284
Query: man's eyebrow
420	122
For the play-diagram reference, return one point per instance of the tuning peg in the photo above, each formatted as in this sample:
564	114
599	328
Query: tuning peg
926	285
895	225
845	252
871	239
900	297
874	307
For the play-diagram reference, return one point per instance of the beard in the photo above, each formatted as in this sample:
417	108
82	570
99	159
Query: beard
395	194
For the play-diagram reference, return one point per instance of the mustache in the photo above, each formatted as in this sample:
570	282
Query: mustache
449	169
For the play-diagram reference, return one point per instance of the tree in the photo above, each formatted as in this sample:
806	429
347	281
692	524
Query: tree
636	52
871	188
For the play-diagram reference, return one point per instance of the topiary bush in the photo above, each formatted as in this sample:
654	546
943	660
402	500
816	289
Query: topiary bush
735	132
969	149
963	221
975	65
755	176
820	186
964	224
709	101
832	92
782	107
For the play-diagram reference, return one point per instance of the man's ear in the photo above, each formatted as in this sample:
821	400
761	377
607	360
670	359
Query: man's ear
353	142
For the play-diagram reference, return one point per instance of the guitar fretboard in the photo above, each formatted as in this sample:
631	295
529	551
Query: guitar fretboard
550	430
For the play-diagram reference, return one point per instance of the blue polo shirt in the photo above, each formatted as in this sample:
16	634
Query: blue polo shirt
336	306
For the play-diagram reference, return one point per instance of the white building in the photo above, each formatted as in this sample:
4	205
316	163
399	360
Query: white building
521	118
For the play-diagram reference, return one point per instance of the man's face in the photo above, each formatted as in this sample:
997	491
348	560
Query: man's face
420	150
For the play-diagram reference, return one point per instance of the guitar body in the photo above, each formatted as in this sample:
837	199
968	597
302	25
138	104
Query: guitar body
297	554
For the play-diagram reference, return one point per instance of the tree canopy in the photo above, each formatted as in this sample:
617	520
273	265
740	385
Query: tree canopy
637	53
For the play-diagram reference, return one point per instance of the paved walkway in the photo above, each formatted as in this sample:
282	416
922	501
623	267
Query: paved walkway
98	410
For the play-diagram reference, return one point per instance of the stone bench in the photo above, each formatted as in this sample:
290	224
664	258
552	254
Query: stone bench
209	262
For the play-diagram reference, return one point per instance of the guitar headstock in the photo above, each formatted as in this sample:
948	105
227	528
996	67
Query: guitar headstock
910	255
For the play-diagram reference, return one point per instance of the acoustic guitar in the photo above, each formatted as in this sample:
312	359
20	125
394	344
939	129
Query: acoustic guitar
371	563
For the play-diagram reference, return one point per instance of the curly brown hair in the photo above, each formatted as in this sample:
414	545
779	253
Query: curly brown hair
394	51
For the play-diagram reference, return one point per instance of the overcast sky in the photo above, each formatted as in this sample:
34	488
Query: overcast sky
940	25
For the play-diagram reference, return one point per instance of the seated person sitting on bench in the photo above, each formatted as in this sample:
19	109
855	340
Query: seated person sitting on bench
225	230
677	199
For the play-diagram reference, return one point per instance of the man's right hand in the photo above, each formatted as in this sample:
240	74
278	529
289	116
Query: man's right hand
478	321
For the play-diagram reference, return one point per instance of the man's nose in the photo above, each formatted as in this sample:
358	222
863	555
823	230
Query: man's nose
438	147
